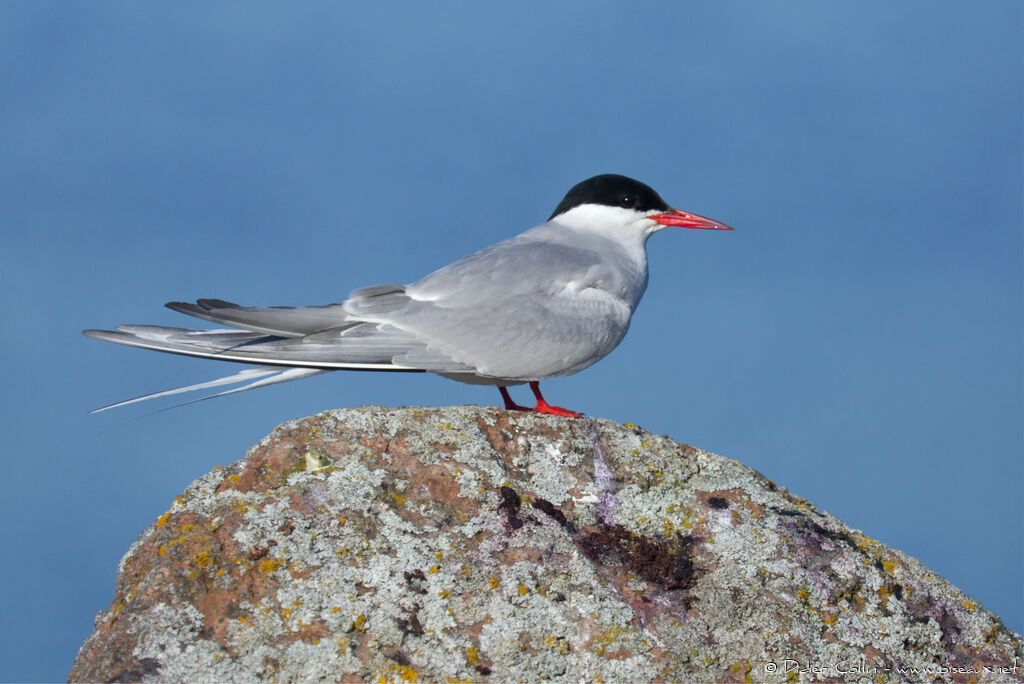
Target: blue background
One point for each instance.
(858, 339)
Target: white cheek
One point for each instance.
(612, 222)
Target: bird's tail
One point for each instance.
(336, 349)
(288, 343)
(260, 376)
(279, 359)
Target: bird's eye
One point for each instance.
(627, 201)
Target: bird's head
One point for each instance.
(613, 200)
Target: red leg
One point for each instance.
(545, 407)
(509, 404)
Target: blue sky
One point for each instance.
(858, 339)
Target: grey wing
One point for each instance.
(325, 337)
(529, 337)
(519, 266)
(290, 321)
(287, 321)
(520, 310)
(353, 346)
(360, 346)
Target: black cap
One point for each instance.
(611, 190)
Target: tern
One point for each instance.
(546, 303)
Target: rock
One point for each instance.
(464, 543)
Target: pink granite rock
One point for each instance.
(465, 544)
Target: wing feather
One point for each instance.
(368, 346)
(286, 321)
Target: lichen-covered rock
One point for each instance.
(463, 543)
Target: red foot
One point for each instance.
(541, 407)
(545, 407)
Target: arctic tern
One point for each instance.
(543, 304)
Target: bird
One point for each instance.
(546, 303)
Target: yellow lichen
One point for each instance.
(522, 590)
(745, 668)
(434, 570)
(399, 673)
(360, 623)
(270, 565)
(493, 582)
(557, 644)
(162, 520)
(472, 655)
(612, 635)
